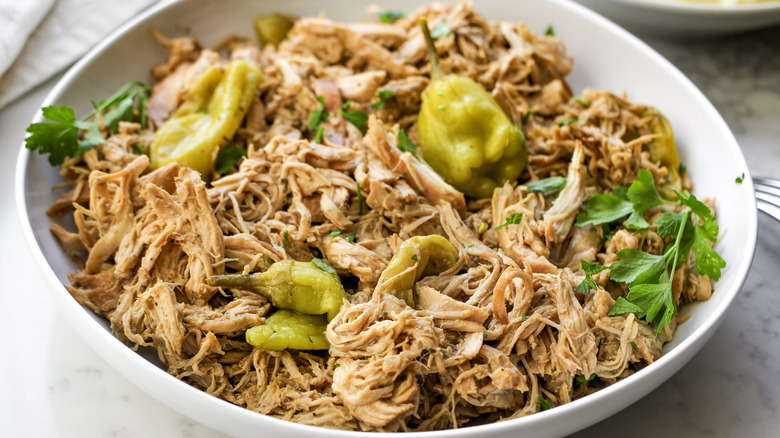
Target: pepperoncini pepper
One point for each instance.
(664, 150)
(209, 116)
(428, 255)
(273, 28)
(292, 285)
(464, 134)
(288, 329)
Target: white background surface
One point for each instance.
(53, 385)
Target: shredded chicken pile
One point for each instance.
(487, 337)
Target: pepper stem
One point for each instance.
(436, 70)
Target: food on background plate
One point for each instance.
(271, 222)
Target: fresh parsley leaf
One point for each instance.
(649, 275)
(318, 135)
(383, 96)
(527, 115)
(512, 219)
(319, 115)
(414, 257)
(634, 201)
(699, 208)
(360, 200)
(633, 264)
(350, 237)
(138, 149)
(520, 135)
(634, 346)
(582, 379)
(122, 112)
(549, 31)
(589, 282)
(440, 29)
(404, 144)
(547, 186)
(358, 118)
(228, 156)
(266, 261)
(623, 306)
(682, 168)
(669, 224)
(655, 299)
(543, 404)
(335, 233)
(708, 262)
(604, 208)
(740, 178)
(523, 317)
(322, 265)
(286, 236)
(581, 101)
(390, 17)
(642, 192)
(567, 122)
(59, 137)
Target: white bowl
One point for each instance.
(605, 57)
(681, 18)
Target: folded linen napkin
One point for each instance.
(33, 50)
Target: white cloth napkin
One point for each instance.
(34, 45)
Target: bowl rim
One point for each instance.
(112, 349)
(695, 8)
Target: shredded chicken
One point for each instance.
(485, 339)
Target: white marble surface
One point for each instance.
(53, 385)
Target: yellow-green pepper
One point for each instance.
(272, 28)
(292, 285)
(464, 134)
(430, 254)
(209, 116)
(288, 329)
(663, 149)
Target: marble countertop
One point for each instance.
(53, 385)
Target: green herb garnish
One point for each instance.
(318, 116)
(318, 134)
(322, 265)
(512, 219)
(543, 404)
(228, 156)
(286, 236)
(440, 29)
(383, 96)
(740, 178)
(406, 145)
(582, 379)
(547, 186)
(632, 202)
(567, 122)
(582, 101)
(59, 137)
(588, 282)
(390, 17)
(358, 118)
(520, 135)
(648, 275)
(360, 200)
(549, 31)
